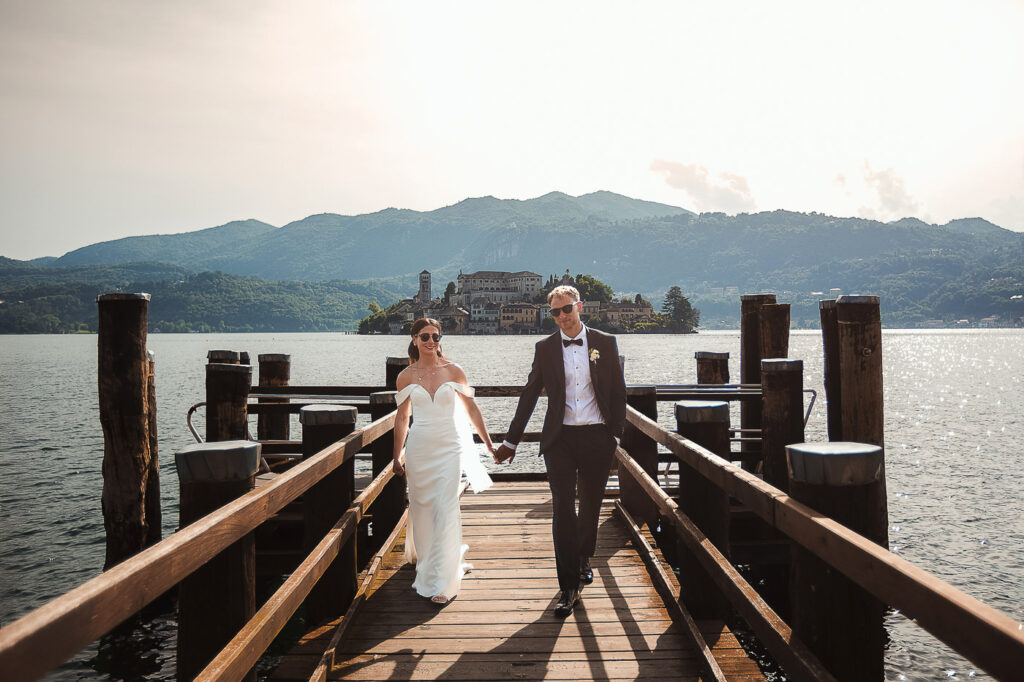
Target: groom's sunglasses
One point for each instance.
(567, 308)
(428, 337)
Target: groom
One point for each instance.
(579, 369)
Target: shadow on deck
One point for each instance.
(501, 625)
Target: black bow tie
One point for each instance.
(571, 342)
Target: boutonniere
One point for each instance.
(594, 355)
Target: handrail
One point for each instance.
(245, 648)
(327, 657)
(46, 637)
(771, 630)
(989, 638)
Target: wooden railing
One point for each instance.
(990, 639)
(47, 637)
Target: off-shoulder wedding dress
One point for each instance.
(439, 449)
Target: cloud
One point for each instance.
(893, 198)
(724, 192)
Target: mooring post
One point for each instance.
(751, 354)
(830, 344)
(123, 374)
(219, 598)
(223, 357)
(643, 449)
(388, 506)
(324, 504)
(275, 371)
(854, 392)
(837, 619)
(775, 330)
(782, 420)
(154, 516)
(712, 368)
(706, 423)
(227, 393)
(243, 357)
(392, 369)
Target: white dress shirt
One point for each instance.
(580, 401)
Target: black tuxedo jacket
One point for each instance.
(548, 373)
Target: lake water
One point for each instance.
(953, 434)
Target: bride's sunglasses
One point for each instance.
(567, 308)
(430, 337)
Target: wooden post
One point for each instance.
(387, 508)
(223, 357)
(644, 450)
(775, 330)
(275, 370)
(707, 424)
(782, 421)
(830, 343)
(154, 516)
(227, 390)
(123, 373)
(751, 354)
(858, 413)
(324, 504)
(712, 368)
(220, 597)
(392, 369)
(838, 620)
(243, 357)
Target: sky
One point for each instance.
(122, 118)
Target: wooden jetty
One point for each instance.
(671, 567)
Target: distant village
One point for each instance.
(493, 302)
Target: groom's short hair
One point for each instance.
(564, 290)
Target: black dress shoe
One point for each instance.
(566, 602)
(586, 572)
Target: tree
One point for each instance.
(593, 289)
(449, 291)
(374, 307)
(682, 316)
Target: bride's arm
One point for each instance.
(401, 428)
(473, 410)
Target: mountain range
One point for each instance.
(968, 267)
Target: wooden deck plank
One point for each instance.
(501, 624)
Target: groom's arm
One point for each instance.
(527, 402)
(618, 393)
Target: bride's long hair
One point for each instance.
(414, 352)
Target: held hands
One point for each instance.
(504, 454)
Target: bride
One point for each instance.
(439, 449)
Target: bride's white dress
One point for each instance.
(438, 450)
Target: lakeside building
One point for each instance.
(496, 302)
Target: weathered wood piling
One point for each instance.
(227, 394)
(275, 371)
(839, 620)
(706, 423)
(751, 354)
(323, 506)
(124, 406)
(782, 416)
(851, 330)
(644, 399)
(154, 515)
(712, 368)
(219, 598)
(390, 502)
